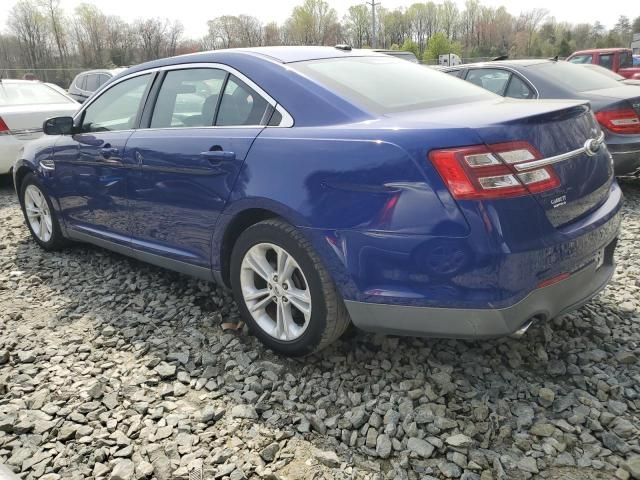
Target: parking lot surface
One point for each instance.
(110, 368)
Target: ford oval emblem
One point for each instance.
(592, 146)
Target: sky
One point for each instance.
(194, 13)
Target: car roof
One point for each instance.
(601, 50)
(282, 54)
(112, 71)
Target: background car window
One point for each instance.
(81, 82)
(117, 107)
(606, 61)
(518, 89)
(581, 59)
(241, 105)
(626, 60)
(453, 73)
(92, 83)
(102, 79)
(188, 98)
(491, 79)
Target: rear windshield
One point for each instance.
(604, 71)
(574, 77)
(27, 93)
(386, 84)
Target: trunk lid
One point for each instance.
(22, 118)
(553, 128)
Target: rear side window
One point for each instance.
(242, 106)
(606, 61)
(626, 60)
(387, 84)
(117, 107)
(518, 89)
(492, 79)
(188, 98)
(453, 73)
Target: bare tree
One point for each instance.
(529, 21)
(56, 23)
(272, 34)
(29, 26)
(357, 25)
(152, 33)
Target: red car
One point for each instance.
(620, 60)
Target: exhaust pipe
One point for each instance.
(523, 329)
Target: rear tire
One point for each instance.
(40, 215)
(284, 293)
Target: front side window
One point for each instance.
(606, 61)
(518, 89)
(492, 79)
(117, 107)
(188, 98)
(581, 59)
(241, 105)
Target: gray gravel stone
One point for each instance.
(420, 447)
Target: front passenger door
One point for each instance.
(92, 166)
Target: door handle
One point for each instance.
(108, 151)
(217, 156)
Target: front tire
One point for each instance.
(285, 294)
(40, 215)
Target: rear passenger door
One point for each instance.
(200, 124)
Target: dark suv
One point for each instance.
(88, 82)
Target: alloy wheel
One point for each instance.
(38, 213)
(275, 291)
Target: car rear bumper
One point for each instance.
(541, 304)
(10, 146)
(626, 156)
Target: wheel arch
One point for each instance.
(19, 173)
(233, 228)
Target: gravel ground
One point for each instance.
(110, 368)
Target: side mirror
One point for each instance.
(58, 126)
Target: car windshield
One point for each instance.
(575, 77)
(29, 93)
(386, 84)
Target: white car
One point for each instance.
(24, 106)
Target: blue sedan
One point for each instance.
(329, 186)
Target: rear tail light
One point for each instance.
(3, 127)
(485, 172)
(625, 121)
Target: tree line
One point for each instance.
(41, 36)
